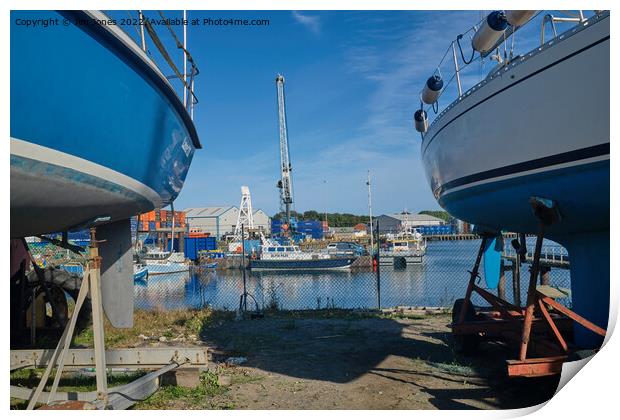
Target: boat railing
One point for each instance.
(455, 68)
(550, 254)
(145, 28)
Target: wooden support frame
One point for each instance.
(163, 359)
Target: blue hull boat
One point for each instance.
(97, 132)
(318, 264)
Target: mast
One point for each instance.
(372, 244)
(285, 183)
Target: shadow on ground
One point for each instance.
(400, 358)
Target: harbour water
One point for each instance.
(440, 280)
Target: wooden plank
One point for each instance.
(146, 358)
(551, 292)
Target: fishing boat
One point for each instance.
(538, 125)
(290, 257)
(345, 249)
(97, 132)
(163, 262)
(403, 250)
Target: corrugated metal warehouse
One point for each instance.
(220, 221)
(262, 221)
(391, 223)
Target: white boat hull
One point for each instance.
(539, 127)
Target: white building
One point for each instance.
(391, 223)
(262, 221)
(220, 221)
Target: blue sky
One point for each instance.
(352, 85)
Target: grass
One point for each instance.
(187, 325)
(178, 325)
(81, 383)
(172, 396)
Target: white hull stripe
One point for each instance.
(525, 173)
(44, 154)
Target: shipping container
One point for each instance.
(194, 245)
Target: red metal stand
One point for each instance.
(540, 328)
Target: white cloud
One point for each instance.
(313, 23)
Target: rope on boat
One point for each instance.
(458, 42)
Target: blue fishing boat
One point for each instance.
(537, 126)
(98, 133)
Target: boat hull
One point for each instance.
(408, 259)
(318, 264)
(538, 128)
(169, 268)
(96, 130)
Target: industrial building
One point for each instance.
(262, 221)
(391, 223)
(220, 221)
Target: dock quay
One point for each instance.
(551, 257)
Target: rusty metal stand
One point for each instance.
(542, 315)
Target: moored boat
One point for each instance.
(403, 249)
(290, 257)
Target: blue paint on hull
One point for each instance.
(75, 91)
(582, 193)
(319, 264)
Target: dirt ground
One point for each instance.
(361, 363)
(323, 360)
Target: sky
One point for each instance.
(352, 85)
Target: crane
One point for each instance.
(285, 184)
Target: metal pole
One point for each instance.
(472, 280)
(245, 294)
(141, 18)
(372, 242)
(325, 200)
(378, 272)
(172, 229)
(456, 70)
(33, 315)
(184, 60)
(531, 295)
(191, 100)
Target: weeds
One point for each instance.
(173, 396)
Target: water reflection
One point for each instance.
(438, 282)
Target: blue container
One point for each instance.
(194, 245)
